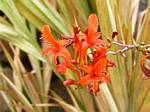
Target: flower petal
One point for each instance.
(100, 65)
(47, 52)
(70, 82)
(61, 68)
(92, 24)
(93, 35)
(95, 86)
(85, 80)
(46, 34)
(100, 53)
(63, 42)
(63, 52)
(86, 68)
(54, 60)
(83, 52)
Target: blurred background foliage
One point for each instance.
(26, 83)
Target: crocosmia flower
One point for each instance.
(56, 48)
(87, 39)
(89, 59)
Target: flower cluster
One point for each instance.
(89, 60)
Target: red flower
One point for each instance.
(88, 39)
(94, 80)
(93, 77)
(96, 73)
(57, 48)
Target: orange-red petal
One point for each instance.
(61, 68)
(70, 82)
(46, 34)
(85, 80)
(47, 52)
(95, 86)
(63, 42)
(92, 24)
(100, 65)
(63, 52)
(86, 68)
(54, 60)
